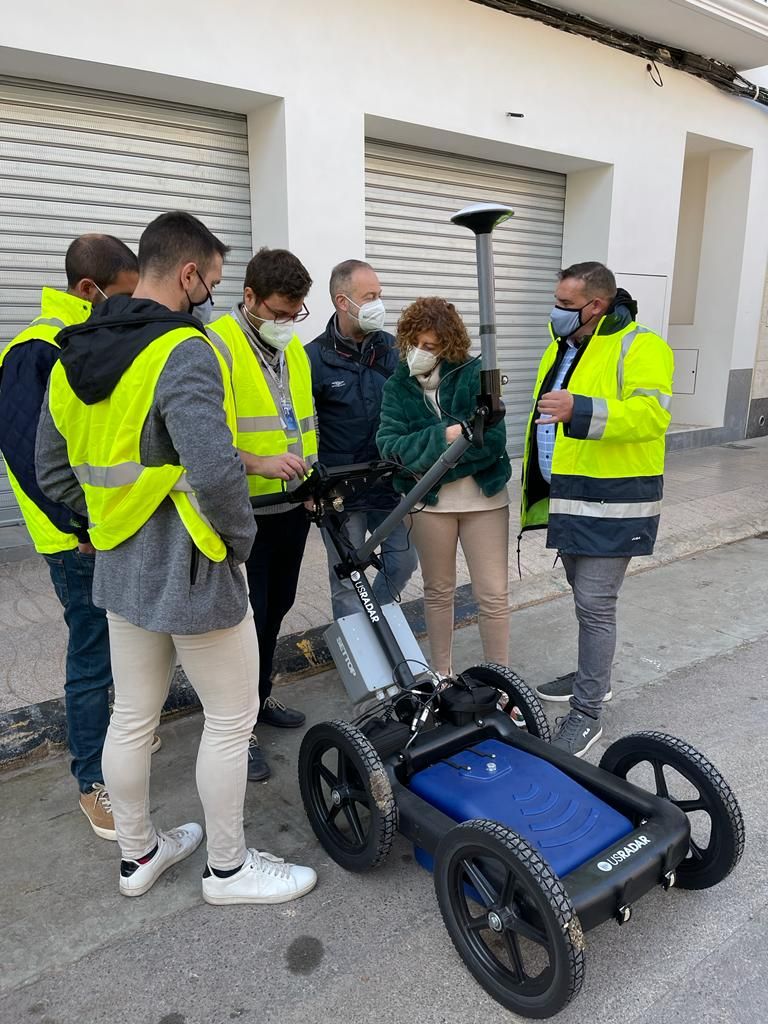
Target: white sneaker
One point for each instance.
(263, 878)
(172, 846)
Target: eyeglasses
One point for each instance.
(283, 318)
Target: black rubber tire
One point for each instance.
(518, 883)
(361, 782)
(705, 867)
(519, 693)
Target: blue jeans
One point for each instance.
(397, 553)
(89, 673)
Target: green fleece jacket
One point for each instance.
(412, 431)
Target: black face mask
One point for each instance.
(205, 306)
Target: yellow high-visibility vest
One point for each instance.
(57, 310)
(103, 444)
(260, 427)
(608, 462)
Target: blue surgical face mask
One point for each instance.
(566, 322)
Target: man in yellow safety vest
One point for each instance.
(593, 471)
(97, 267)
(139, 431)
(277, 440)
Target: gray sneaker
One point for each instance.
(561, 689)
(577, 733)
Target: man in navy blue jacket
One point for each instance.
(97, 267)
(351, 362)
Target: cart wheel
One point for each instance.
(509, 917)
(347, 795)
(520, 696)
(684, 776)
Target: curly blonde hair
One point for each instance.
(438, 315)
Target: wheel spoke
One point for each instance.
(691, 805)
(695, 851)
(327, 775)
(513, 948)
(508, 890)
(530, 932)
(478, 924)
(350, 813)
(661, 782)
(479, 883)
(341, 769)
(330, 815)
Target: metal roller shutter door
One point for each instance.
(410, 196)
(74, 160)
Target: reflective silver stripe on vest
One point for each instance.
(253, 424)
(48, 321)
(308, 423)
(626, 343)
(599, 420)
(121, 475)
(665, 401)
(604, 509)
(221, 346)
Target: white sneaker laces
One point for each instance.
(271, 702)
(269, 864)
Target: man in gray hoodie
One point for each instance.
(140, 404)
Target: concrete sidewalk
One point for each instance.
(712, 496)
(372, 948)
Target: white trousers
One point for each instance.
(223, 668)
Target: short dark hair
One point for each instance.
(98, 257)
(175, 238)
(597, 278)
(277, 272)
(341, 275)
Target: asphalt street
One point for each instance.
(372, 948)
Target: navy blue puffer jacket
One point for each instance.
(347, 394)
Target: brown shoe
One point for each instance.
(98, 810)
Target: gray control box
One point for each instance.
(362, 664)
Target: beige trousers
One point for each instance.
(484, 539)
(223, 668)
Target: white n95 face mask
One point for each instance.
(370, 316)
(276, 335)
(420, 361)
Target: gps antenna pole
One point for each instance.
(482, 218)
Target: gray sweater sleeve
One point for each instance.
(190, 398)
(54, 473)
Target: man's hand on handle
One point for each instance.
(274, 467)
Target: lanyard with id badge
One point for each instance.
(287, 414)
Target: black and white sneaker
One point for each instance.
(577, 732)
(561, 689)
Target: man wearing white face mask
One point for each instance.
(351, 362)
(277, 440)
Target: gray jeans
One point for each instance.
(595, 583)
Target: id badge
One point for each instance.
(288, 417)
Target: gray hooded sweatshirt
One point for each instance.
(158, 579)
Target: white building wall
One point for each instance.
(441, 74)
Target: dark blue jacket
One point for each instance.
(347, 394)
(23, 382)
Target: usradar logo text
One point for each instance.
(623, 854)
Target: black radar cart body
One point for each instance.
(530, 847)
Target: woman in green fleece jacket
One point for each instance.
(471, 505)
